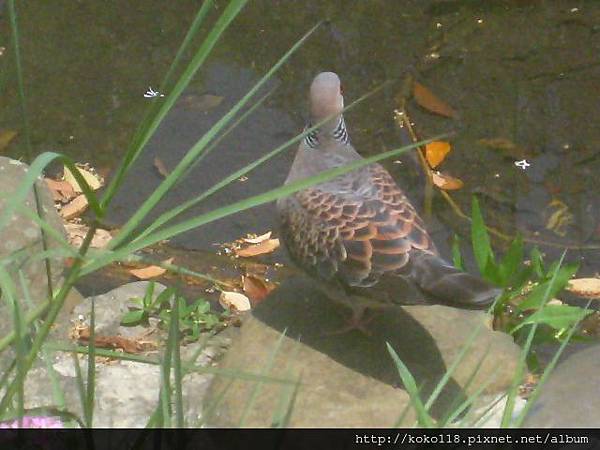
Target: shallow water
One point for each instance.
(527, 71)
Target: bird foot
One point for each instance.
(357, 321)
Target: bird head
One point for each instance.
(326, 99)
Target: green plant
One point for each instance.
(527, 286)
(194, 317)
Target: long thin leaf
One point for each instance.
(411, 387)
(239, 206)
(229, 13)
(189, 158)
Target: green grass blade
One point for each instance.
(177, 371)
(189, 158)
(257, 387)
(241, 205)
(171, 214)
(544, 378)
(480, 239)
(513, 391)
(411, 388)
(229, 13)
(9, 295)
(91, 370)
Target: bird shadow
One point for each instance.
(306, 314)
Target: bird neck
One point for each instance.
(333, 130)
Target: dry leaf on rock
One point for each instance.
(256, 288)
(74, 208)
(446, 182)
(76, 233)
(160, 167)
(151, 271)
(234, 301)
(435, 152)
(61, 190)
(426, 99)
(116, 342)
(257, 239)
(267, 246)
(585, 287)
(88, 176)
(5, 137)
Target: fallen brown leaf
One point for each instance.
(234, 301)
(426, 99)
(202, 102)
(508, 147)
(74, 208)
(257, 239)
(435, 152)
(256, 288)
(150, 271)
(61, 190)
(267, 246)
(446, 182)
(116, 342)
(88, 176)
(5, 137)
(160, 167)
(585, 287)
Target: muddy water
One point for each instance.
(525, 71)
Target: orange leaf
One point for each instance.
(446, 182)
(267, 246)
(151, 271)
(75, 207)
(436, 152)
(256, 288)
(426, 99)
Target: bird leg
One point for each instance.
(357, 304)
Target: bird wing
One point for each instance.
(356, 227)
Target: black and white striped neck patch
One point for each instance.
(339, 134)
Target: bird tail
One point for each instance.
(451, 286)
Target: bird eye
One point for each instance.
(341, 89)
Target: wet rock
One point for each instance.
(126, 392)
(21, 240)
(569, 397)
(349, 380)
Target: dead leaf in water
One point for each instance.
(88, 176)
(267, 246)
(257, 239)
(558, 217)
(256, 288)
(6, 136)
(428, 100)
(585, 287)
(435, 152)
(234, 301)
(446, 182)
(202, 102)
(161, 168)
(146, 273)
(61, 190)
(508, 147)
(74, 208)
